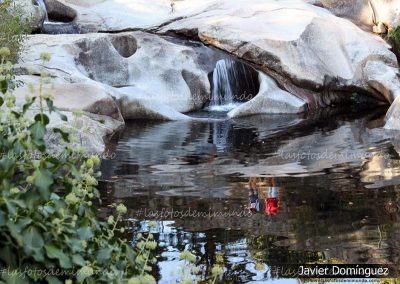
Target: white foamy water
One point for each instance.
(229, 77)
(42, 6)
(223, 75)
(224, 107)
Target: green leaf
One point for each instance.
(49, 209)
(78, 260)
(64, 135)
(16, 278)
(80, 277)
(32, 239)
(38, 130)
(15, 233)
(16, 114)
(53, 162)
(22, 223)
(85, 233)
(42, 118)
(4, 86)
(43, 180)
(62, 116)
(1, 101)
(26, 106)
(7, 164)
(104, 254)
(55, 253)
(53, 280)
(50, 105)
(2, 218)
(7, 256)
(20, 203)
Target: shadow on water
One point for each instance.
(324, 189)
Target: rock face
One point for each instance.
(318, 56)
(32, 11)
(307, 57)
(58, 11)
(393, 116)
(317, 52)
(138, 66)
(365, 12)
(270, 99)
(100, 114)
(109, 77)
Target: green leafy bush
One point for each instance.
(48, 222)
(13, 27)
(394, 37)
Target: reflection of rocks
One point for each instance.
(131, 68)
(349, 226)
(251, 146)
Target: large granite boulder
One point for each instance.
(34, 11)
(308, 50)
(365, 12)
(58, 11)
(393, 116)
(270, 99)
(312, 53)
(100, 116)
(131, 66)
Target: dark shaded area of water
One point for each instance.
(328, 191)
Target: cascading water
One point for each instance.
(43, 7)
(233, 82)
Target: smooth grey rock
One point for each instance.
(88, 130)
(393, 116)
(60, 12)
(32, 11)
(139, 70)
(100, 118)
(365, 12)
(270, 99)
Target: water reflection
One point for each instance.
(317, 190)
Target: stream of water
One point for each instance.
(232, 83)
(328, 190)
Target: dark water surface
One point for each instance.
(336, 181)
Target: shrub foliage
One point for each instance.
(13, 26)
(49, 226)
(394, 37)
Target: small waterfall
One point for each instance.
(222, 97)
(233, 82)
(43, 7)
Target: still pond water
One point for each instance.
(325, 188)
